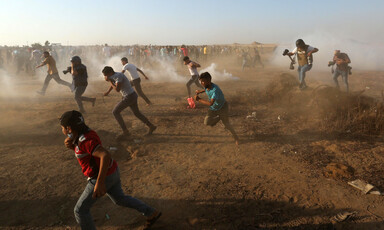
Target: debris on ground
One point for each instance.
(343, 216)
(365, 187)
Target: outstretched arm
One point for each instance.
(140, 71)
(108, 91)
(42, 64)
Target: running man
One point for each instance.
(218, 106)
(304, 58)
(120, 83)
(102, 172)
(192, 67)
(341, 60)
(135, 78)
(52, 73)
(79, 82)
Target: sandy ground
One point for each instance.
(194, 174)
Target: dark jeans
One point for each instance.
(139, 91)
(222, 114)
(79, 90)
(55, 77)
(129, 101)
(344, 75)
(194, 79)
(83, 206)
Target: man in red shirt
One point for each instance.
(102, 172)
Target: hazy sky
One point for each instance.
(85, 22)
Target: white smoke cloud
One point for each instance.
(217, 75)
(6, 83)
(166, 71)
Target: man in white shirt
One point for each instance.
(192, 67)
(304, 58)
(135, 78)
(107, 51)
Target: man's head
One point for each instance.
(300, 43)
(72, 122)
(205, 79)
(76, 60)
(337, 52)
(124, 60)
(46, 54)
(186, 60)
(107, 72)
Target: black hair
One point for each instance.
(124, 59)
(46, 52)
(107, 70)
(300, 43)
(205, 75)
(75, 120)
(186, 58)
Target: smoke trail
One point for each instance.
(217, 75)
(165, 72)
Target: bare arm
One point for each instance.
(140, 71)
(105, 161)
(313, 51)
(199, 91)
(73, 71)
(204, 102)
(42, 64)
(109, 90)
(197, 65)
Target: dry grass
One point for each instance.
(324, 108)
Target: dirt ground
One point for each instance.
(279, 177)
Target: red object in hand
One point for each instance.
(191, 103)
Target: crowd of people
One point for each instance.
(96, 162)
(24, 59)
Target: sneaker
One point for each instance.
(152, 219)
(40, 92)
(151, 129)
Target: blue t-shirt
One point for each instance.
(215, 93)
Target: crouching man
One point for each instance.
(218, 106)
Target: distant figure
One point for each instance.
(120, 83)
(304, 58)
(135, 78)
(52, 73)
(101, 170)
(218, 106)
(106, 51)
(192, 67)
(341, 60)
(256, 58)
(245, 60)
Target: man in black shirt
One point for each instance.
(79, 82)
